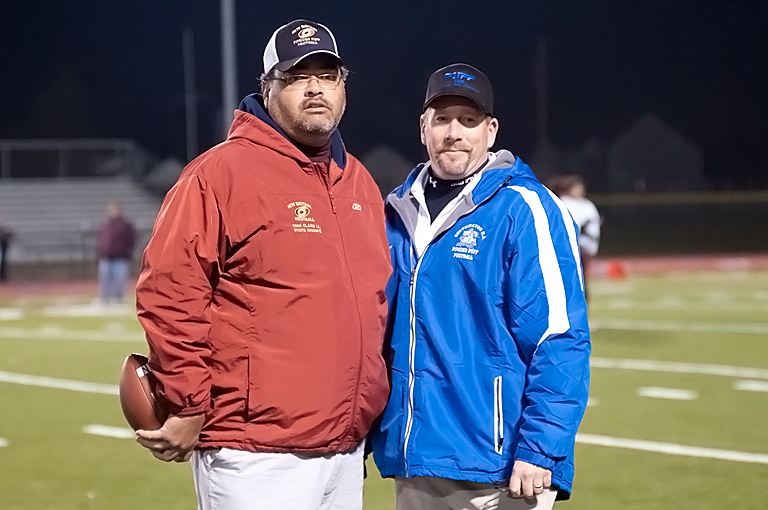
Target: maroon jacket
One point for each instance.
(116, 239)
(262, 296)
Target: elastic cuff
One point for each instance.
(189, 411)
(534, 458)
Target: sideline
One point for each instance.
(60, 384)
(595, 362)
(586, 439)
(70, 335)
(666, 393)
(672, 449)
(108, 431)
(757, 328)
(589, 439)
(678, 367)
(751, 386)
(11, 314)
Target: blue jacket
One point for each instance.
(487, 334)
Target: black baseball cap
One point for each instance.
(295, 41)
(461, 80)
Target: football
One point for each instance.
(142, 406)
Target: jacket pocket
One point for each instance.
(498, 416)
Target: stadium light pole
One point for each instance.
(228, 63)
(190, 92)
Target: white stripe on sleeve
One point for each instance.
(550, 269)
(569, 227)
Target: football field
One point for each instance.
(677, 419)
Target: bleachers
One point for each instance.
(56, 220)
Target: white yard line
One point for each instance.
(670, 302)
(588, 439)
(666, 393)
(672, 449)
(716, 276)
(664, 303)
(55, 333)
(89, 310)
(718, 297)
(757, 328)
(114, 327)
(10, 314)
(621, 304)
(679, 368)
(60, 384)
(751, 386)
(667, 448)
(611, 288)
(107, 431)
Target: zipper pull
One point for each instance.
(413, 275)
(333, 201)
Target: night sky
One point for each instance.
(115, 69)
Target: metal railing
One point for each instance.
(71, 158)
(33, 252)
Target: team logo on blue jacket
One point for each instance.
(468, 238)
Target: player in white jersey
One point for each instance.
(572, 191)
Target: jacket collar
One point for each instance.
(253, 104)
(501, 168)
(503, 165)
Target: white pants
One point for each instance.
(431, 493)
(227, 479)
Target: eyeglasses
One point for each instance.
(325, 80)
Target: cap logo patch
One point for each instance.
(305, 35)
(459, 79)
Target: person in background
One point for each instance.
(262, 294)
(487, 339)
(572, 191)
(5, 242)
(114, 246)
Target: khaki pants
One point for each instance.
(430, 493)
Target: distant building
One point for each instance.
(588, 161)
(651, 156)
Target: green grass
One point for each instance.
(50, 463)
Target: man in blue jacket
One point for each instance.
(487, 338)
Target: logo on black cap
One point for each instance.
(461, 80)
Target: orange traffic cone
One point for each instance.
(616, 270)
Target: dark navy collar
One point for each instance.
(254, 104)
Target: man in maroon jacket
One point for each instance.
(262, 296)
(114, 247)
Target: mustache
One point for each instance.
(306, 102)
(461, 148)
